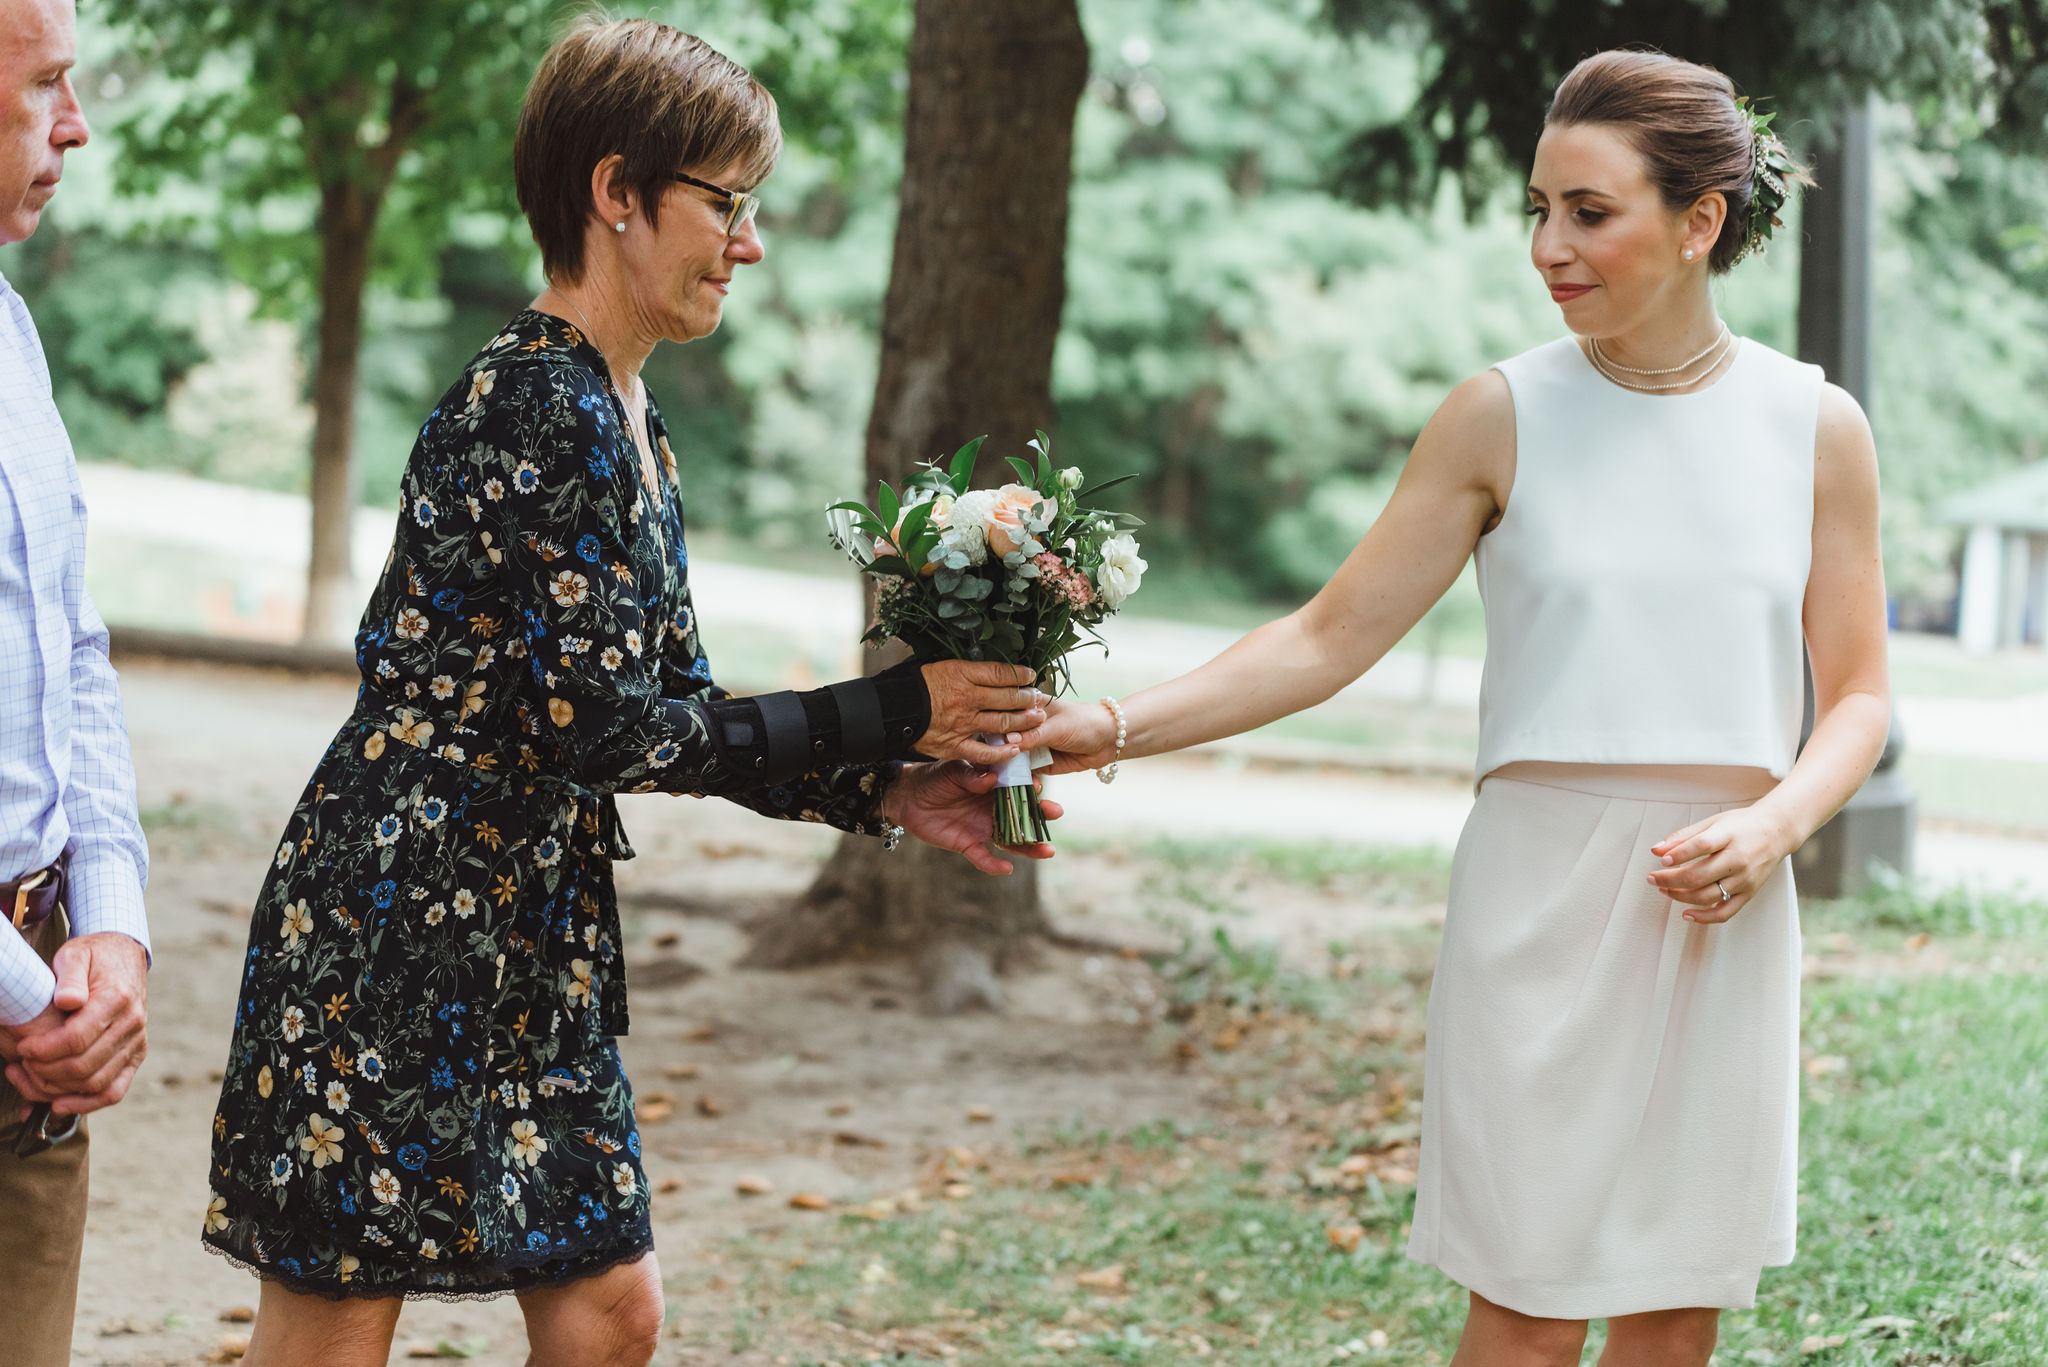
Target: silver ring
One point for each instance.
(1724, 891)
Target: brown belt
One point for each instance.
(30, 900)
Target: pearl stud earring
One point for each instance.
(1688, 250)
(621, 227)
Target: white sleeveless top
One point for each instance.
(1643, 589)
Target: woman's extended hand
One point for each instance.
(1735, 851)
(948, 806)
(972, 698)
(1080, 736)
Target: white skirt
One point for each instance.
(1610, 1119)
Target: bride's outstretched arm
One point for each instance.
(1453, 489)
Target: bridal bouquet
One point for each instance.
(1022, 574)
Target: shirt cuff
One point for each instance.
(26, 982)
(105, 895)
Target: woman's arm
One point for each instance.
(1452, 490)
(1845, 640)
(558, 514)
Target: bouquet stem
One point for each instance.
(1019, 818)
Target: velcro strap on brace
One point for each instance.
(862, 739)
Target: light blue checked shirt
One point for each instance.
(67, 785)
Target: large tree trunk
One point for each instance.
(348, 218)
(968, 328)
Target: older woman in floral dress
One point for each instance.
(423, 1094)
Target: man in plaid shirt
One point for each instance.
(74, 945)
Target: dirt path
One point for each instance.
(823, 1081)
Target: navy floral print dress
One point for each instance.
(423, 1094)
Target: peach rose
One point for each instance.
(1006, 531)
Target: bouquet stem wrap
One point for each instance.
(1019, 818)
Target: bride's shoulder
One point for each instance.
(1484, 402)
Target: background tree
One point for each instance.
(968, 327)
(1491, 66)
(340, 142)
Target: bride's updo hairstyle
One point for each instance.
(1683, 119)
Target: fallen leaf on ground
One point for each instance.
(669, 1184)
(1345, 1238)
(839, 1108)
(1358, 1164)
(232, 1347)
(810, 1200)
(652, 1111)
(1825, 1064)
(710, 1106)
(980, 1115)
(956, 1191)
(238, 1314)
(667, 939)
(753, 1186)
(1109, 1278)
(701, 1034)
(1393, 1173)
(681, 1072)
(854, 1139)
(1072, 1179)
(1228, 1038)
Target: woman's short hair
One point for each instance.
(1682, 118)
(664, 101)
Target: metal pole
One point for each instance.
(1837, 216)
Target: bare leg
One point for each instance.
(609, 1320)
(1662, 1338)
(1496, 1336)
(293, 1328)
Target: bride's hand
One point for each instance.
(1080, 735)
(1714, 867)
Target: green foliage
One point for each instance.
(1239, 330)
(1951, 912)
(1490, 67)
(283, 109)
(99, 311)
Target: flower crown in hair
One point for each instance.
(1771, 181)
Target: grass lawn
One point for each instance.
(1271, 1230)
(2000, 791)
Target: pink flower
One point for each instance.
(1063, 581)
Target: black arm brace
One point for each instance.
(780, 736)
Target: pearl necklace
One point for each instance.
(1618, 373)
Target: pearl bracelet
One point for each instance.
(1107, 773)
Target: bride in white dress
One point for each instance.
(1665, 516)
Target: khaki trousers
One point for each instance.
(42, 1224)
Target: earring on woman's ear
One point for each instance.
(621, 227)
(1688, 250)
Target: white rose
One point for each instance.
(1122, 570)
(1072, 478)
(967, 526)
